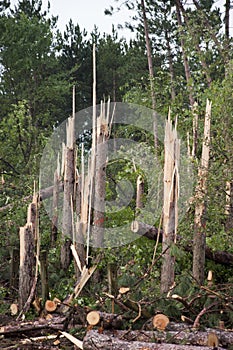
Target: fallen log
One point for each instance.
(151, 233)
(105, 320)
(186, 336)
(105, 341)
(36, 327)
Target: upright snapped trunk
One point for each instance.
(100, 181)
(170, 205)
(199, 237)
(69, 178)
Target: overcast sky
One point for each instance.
(88, 13)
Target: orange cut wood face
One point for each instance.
(160, 321)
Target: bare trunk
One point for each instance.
(170, 206)
(69, 179)
(27, 264)
(99, 193)
(199, 239)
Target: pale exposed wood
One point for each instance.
(93, 318)
(139, 193)
(37, 304)
(50, 305)
(14, 309)
(102, 134)
(212, 340)
(105, 320)
(170, 204)
(69, 181)
(74, 340)
(124, 290)
(142, 229)
(160, 321)
(199, 240)
(86, 274)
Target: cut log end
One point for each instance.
(212, 340)
(160, 322)
(50, 306)
(14, 309)
(93, 318)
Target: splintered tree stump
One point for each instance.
(105, 320)
(106, 340)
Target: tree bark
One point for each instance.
(14, 268)
(54, 229)
(67, 216)
(106, 341)
(44, 275)
(199, 238)
(100, 182)
(27, 264)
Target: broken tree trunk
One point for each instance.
(170, 204)
(107, 340)
(69, 178)
(102, 134)
(142, 229)
(140, 193)
(27, 263)
(199, 239)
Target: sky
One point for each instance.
(88, 13)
